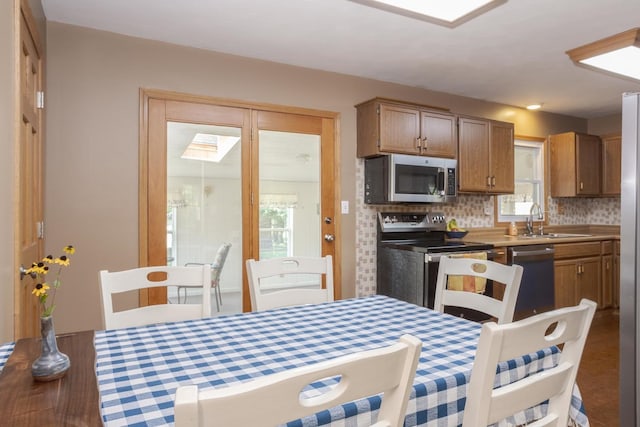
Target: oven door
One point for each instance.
(432, 262)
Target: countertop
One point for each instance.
(499, 238)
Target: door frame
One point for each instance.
(150, 247)
(29, 172)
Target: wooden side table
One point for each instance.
(72, 400)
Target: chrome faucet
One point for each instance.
(535, 208)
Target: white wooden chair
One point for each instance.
(276, 399)
(486, 405)
(263, 269)
(216, 271)
(509, 275)
(139, 278)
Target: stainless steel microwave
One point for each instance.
(401, 178)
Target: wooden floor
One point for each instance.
(598, 374)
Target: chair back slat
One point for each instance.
(258, 271)
(498, 343)
(276, 399)
(509, 275)
(112, 283)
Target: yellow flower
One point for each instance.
(40, 289)
(46, 292)
(38, 268)
(63, 260)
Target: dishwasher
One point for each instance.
(536, 293)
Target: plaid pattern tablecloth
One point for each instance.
(139, 369)
(5, 352)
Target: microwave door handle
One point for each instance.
(441, 187)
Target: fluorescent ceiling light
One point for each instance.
(534, 106)
(450, 13)
(209, 148)
(619, 54)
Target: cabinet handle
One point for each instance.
(493, 181)
(488, 181)
(581, 185)
(418, 145)
(424, 142)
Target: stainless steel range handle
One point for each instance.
(435, 257)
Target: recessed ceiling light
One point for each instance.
(534, 106)
(450, 13)
(618, 54)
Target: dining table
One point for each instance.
(137, 370)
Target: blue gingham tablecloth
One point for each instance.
(5, 352)
(139, 369)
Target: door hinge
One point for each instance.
(40, 229)
(40, 99)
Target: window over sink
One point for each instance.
(529, 167)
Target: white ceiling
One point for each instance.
(514, 54)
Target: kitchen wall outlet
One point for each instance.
(345, 206)
(560, 207)
(488, 210)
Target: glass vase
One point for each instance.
(52, 364)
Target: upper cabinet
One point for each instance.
(575, 164)
(611, 164)
(485, 156)
(386, 126)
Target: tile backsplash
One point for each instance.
(471, 211)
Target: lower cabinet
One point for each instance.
(576, 279)
(608, 271)
(578, 273)
(616, 274)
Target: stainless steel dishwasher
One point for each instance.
(536, 293)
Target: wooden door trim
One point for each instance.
(25, 307)
(328, 125)
(226, 102)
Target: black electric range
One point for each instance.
(409, 246)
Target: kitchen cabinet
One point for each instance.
(386, 126)
(485, 156)
(616, 274)
(575, 164)
(578, 273)
(607, 274)
(611, 164)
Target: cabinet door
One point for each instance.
(611, 165)
(589, 280)
(501, 152)
(399, 129)
(473, 155)
(565, 282)
(439, 136)
(616, 274)
(607, 281)
(588, 164)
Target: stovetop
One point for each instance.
(420, 232)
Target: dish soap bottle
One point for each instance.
(513, 229)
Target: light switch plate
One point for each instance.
(345, 206)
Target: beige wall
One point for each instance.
(7, 133)
(92, 157)
(606, 125)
